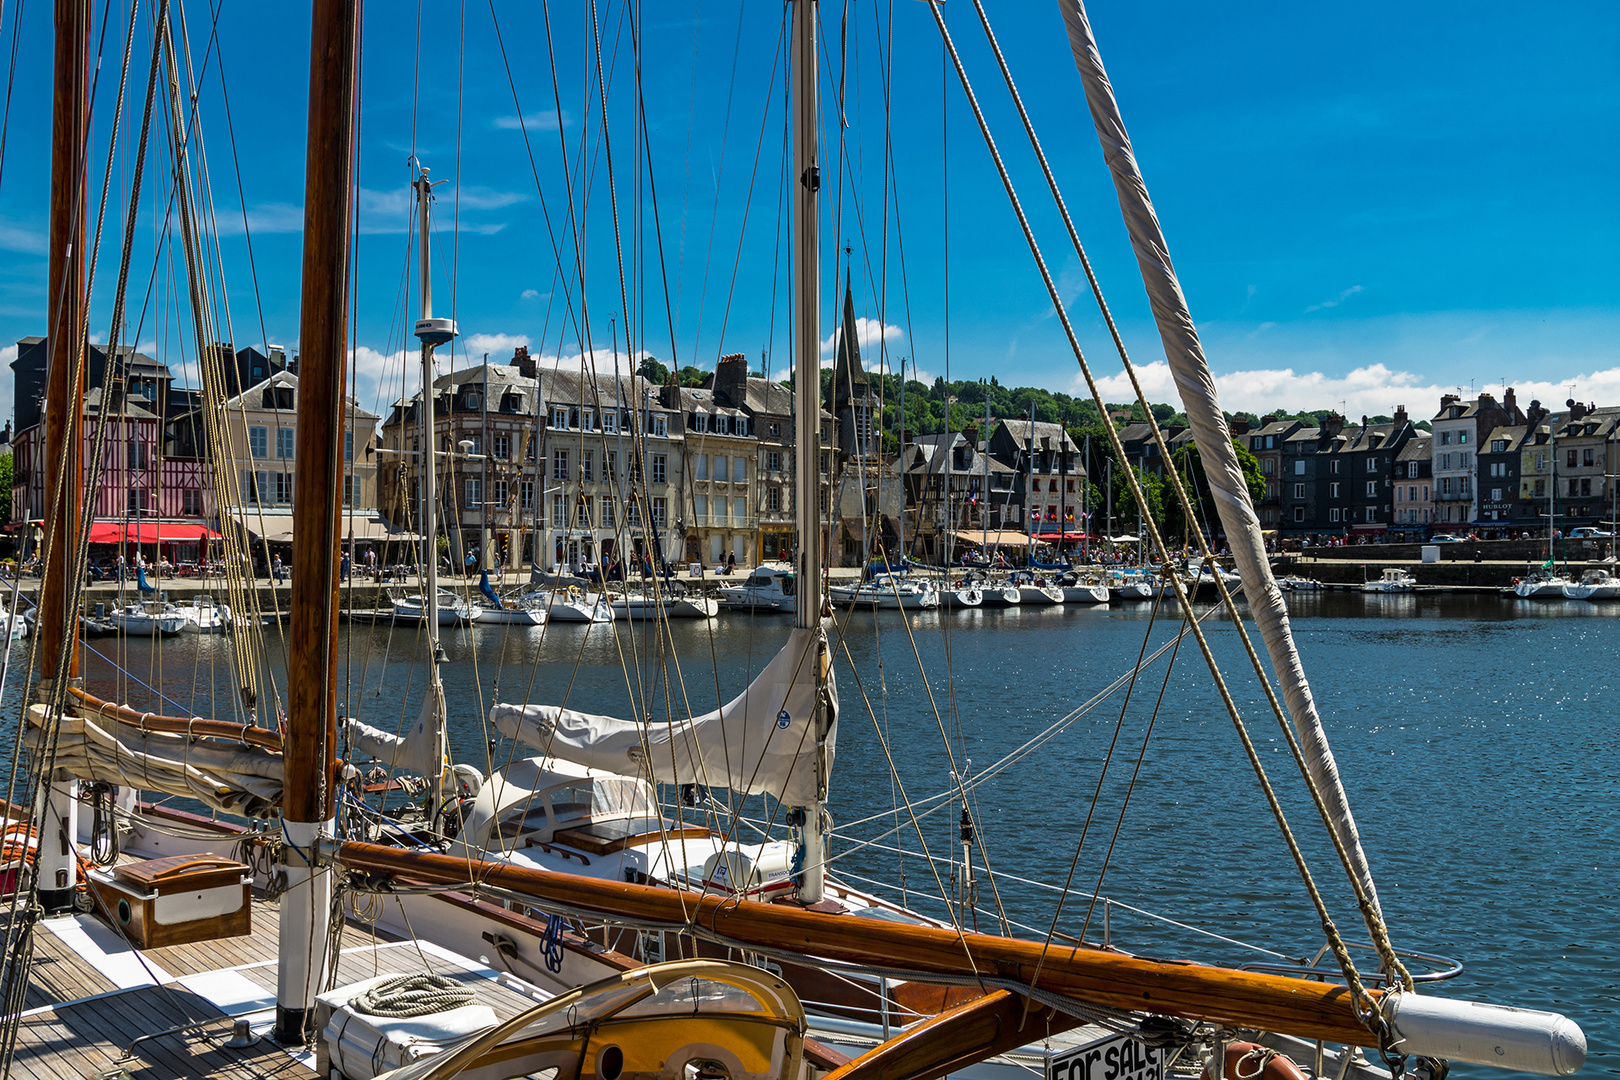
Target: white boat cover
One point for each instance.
(1196, 385)
(420, 750)
(233, 778)
(762, 742)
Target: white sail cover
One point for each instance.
(762, 742)
(420, 750)
(231, 777)
(1185, 354)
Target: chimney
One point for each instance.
(1535, 416)
(970, 432)
(1363, 421)
(1448, 399)
(1239, 425)
(1510, 404)
(1332, 426)
(669, 395)
(731, 380)
(1400, 418)
(1267, 421)
(1576, 409)
(524, 362)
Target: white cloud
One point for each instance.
(539, 120)
(483, 198)
(22, 240)
(1343, 296)
(868, 334)
(530, 294)
(499, 346)
(1366, 391)
(1370, 365)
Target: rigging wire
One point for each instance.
(1340, 953)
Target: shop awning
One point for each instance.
(1003, 537)
(1374, 528)
(364, 526)
(372, 527)
(150, 532)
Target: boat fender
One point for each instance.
(1251, 1061)
(1528, 1040)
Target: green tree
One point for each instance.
(653, 371)
(1189, 464)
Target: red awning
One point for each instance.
(150, 532)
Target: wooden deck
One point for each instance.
(91, 996)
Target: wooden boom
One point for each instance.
(1306, 1009)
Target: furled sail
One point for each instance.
(233, 778)
(420, 750)
(1196, 385)
(762, 742)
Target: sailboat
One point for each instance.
(998, 994)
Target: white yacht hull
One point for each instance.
(1086, 594)
(1040, 594)
(586, 609)
(1002, 596)
(678, 607)
(884, 599)
(1541, 590)
(512, 616)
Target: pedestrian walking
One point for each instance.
(275, 568)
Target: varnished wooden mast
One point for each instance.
(311, 743)
(62, 447)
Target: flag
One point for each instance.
(1548, 565)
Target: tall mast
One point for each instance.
(807, 406)
(432, 332)
(64, 409)
(307, 818)
(1029, 491)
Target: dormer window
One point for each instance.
(559, 418)
(473, 399)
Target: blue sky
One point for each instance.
(1368, 205)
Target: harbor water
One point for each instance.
(1475, 735)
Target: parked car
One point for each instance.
(1589, 532)
(1446, 538)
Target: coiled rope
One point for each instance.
(412, 995)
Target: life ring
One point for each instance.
(1515, 581)
(1251, 1061)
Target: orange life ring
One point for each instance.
(1515, 581)
(1251, 1061)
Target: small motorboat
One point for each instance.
(767, 588)
(1394, 580)
(206, 615)
(149, 618)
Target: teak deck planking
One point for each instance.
(62, 1034)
